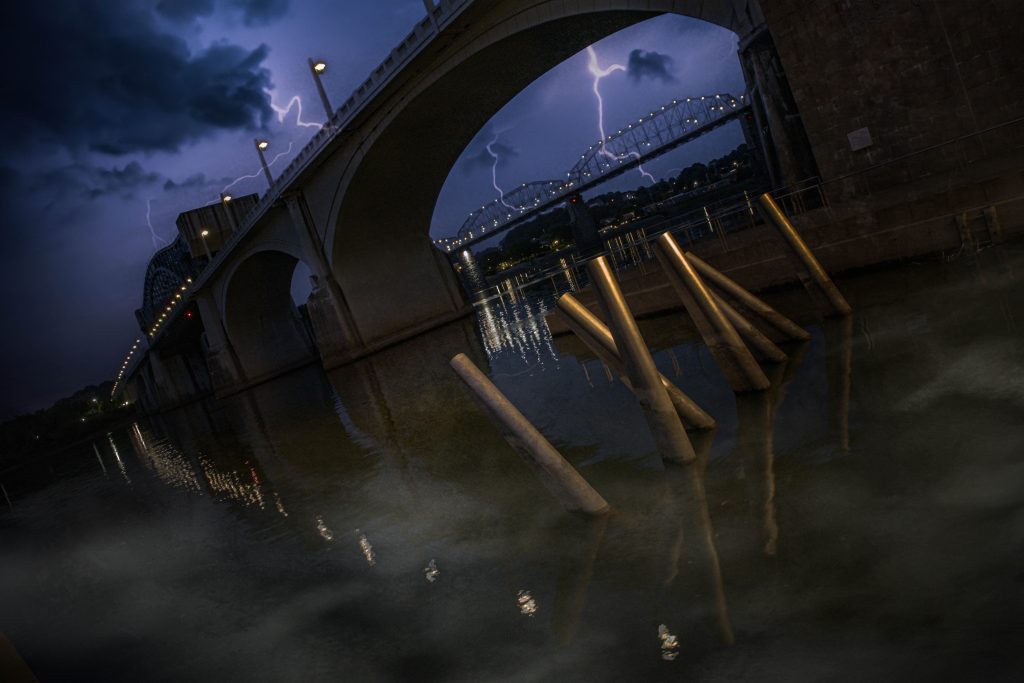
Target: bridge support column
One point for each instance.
(169, 388)
(337, 337)
(221, 359)
(786, 149)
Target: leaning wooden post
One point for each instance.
(762, 347)
(740, 368)
(554, 471)
(598, 338)
(774, 216)
(665, 425)
(783, 326)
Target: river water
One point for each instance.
(864, 520)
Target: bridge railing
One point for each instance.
(714, 220)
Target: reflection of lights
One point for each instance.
(431, 571)
(669, 643)
(527, 605)
(364, 545)
(326, 533)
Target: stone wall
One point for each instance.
(915, 74)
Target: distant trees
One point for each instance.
(551, 231)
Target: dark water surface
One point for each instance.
(863, 521)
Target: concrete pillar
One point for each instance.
(787, 149)
(221, 358)
(337, 336)
(166, 387)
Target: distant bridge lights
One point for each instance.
(317, 67)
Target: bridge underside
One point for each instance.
(263, 325)
(393, 277)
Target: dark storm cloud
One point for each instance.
(653, 65)
(102, 76)
(258, 12)
(194, 180)
(123, 181)
(184, 10)
(81, 180)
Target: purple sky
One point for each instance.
(154, 103)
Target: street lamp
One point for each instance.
(317, 67)
(260, 146)
(206, 247)
(225, 200)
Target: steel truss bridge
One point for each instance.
(664, 129)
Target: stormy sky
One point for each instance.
(120, 115)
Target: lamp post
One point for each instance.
(260, 146)
(317, 67)
(225, 200)
(206, 247)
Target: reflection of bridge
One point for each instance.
(664, 129)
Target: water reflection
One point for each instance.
(774, 546)
(518, 325)
(527, 605)
(669, 643)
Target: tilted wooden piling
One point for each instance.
(813, 270)
(783, 326)
(554, 471)
(598, 338)
(734, 358)
(662, 419)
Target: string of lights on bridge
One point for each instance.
(124, 366)
(597, 160)
(173, 302)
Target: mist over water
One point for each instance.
(863, 520)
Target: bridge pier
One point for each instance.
(336, 335)
(221, 358)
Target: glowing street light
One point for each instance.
(260, 146)
(317, 67)
(225, 200)
(206, 247)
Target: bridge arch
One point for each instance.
(262, 321)
(383, 201)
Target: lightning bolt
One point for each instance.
(494, 172)
(598, 73)
(149, 222)
(259, 171)
(296, 102)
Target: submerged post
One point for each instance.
(554, 471)
(665, 425)
(774, 215)
(782, 325)
(763, 347)
(597, 337)
(740, 368)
